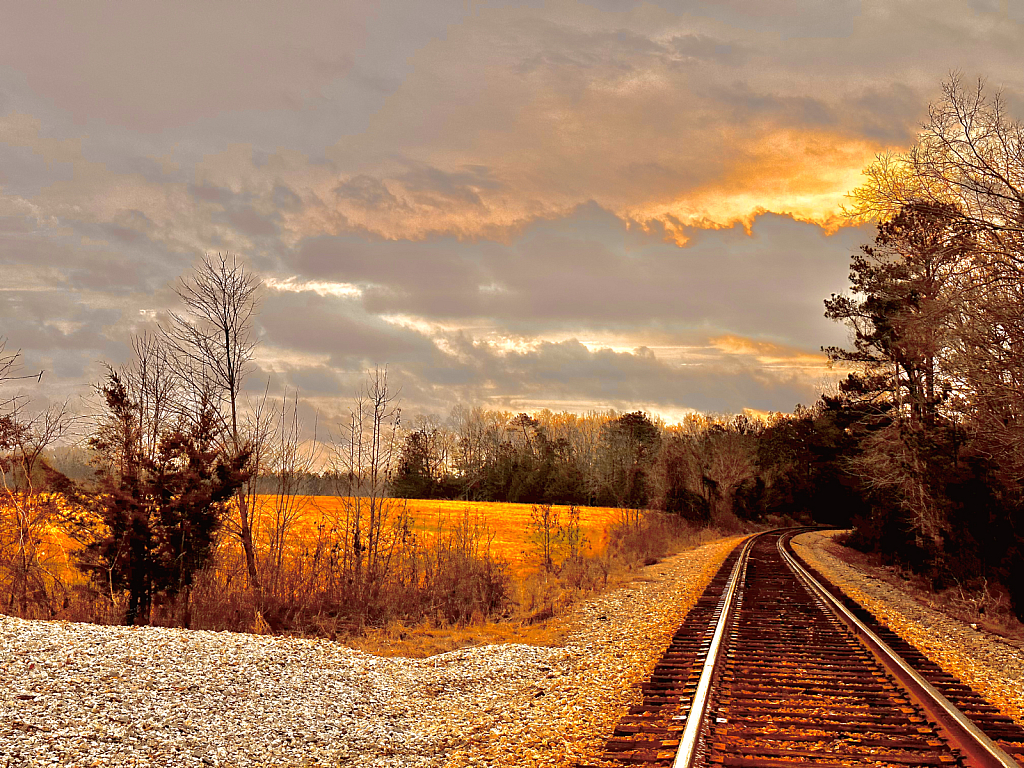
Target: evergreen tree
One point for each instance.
(629, 446)
(900, 309)
(159, 515)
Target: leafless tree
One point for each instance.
(969, 155)
(7, 367)
(151, 376)
(891, 463)
(968, 165)
(291, 459)
(9, 371)
(582, 433)
(214, 343)
(480, 434)
(441, 446)
(544, 528)
(26, 509)
(364, 456)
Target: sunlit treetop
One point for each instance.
(969, 156)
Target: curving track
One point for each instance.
(771, 670)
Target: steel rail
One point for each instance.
(965, 734)
(698, 706)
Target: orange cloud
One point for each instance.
(802, 173)
(769, 354)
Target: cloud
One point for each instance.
(591, 270)
(337, 332)
(596, 202)
(695, 116)
(569, 373)
(584, 307)
(177, 63)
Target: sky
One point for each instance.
(519, 205)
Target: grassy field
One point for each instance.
(507, 525)
(456, 579)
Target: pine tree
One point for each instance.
(159, 515)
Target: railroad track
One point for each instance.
(775, 668)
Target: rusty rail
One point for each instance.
(771, 670)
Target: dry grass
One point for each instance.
(508, 525)
(425, 640)
(598, 548)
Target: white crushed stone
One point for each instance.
(991, 667)
(87, 695)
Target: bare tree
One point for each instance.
(967, 166)
(892, 463)
(291, 460)
(583, 436)
(365, 455)
(152, 378)
(969, 156)
(214, 343)
(9, 365)
(26, 510)
(8, 362)
(477, 433)
(545, 530)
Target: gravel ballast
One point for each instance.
(991, 667)
(87, 695)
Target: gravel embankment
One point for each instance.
(991, 667)
(86, 695)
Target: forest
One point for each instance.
(919, 448)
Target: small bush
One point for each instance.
(641, 537)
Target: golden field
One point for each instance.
(507, 525)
